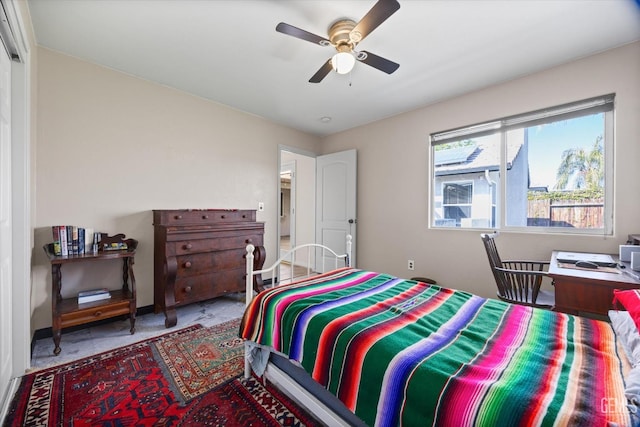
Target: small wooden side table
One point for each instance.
(67, 312)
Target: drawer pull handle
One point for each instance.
(205, 216)
(248, 241)
(187, 289)
(187, 264)
(223, 216)
(97, 314)
(244, 216)
(178, 216)
(188, 246)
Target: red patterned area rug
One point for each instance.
(190, 377)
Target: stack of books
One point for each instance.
(93, 295)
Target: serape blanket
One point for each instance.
(401, 352)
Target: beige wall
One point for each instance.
(32, 64)
(112, 147)
(393, 177)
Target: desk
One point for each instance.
(586, 291)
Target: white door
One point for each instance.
(336, 203)
(5, 222)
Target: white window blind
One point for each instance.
(547, 115)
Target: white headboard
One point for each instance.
(290, 256)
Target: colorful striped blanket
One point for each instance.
(401, 352)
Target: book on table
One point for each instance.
(93, 295)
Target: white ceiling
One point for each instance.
(229, 51)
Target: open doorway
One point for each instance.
(297, 207)
(287, 206)
(319, 205)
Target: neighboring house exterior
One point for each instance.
(467, 179)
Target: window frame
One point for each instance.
(601, 104)
(459, 182)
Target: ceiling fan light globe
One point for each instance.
(343, 62)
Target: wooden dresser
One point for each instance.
(199, 255)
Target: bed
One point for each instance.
(403, 352)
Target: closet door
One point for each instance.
(5, 222)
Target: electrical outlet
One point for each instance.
(260, 206)
(411, 264)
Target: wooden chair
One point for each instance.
(518, 281)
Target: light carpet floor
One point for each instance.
(97, 339)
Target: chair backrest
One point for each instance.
(518, 281)
(495, 261)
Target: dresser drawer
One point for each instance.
(238, 241)
(191, 265)
(203, 216)
(206, 286)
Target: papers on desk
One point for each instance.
(573, 266)
(628, 271)
(603, 260)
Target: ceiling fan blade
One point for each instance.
(301, 34)
(378, 62)
(379, 13)
(321, 73)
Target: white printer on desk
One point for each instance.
(630, 256)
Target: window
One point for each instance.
(548, 170)
(456, 201)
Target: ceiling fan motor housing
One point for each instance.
(341, 36)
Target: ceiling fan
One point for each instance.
(344, 36)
